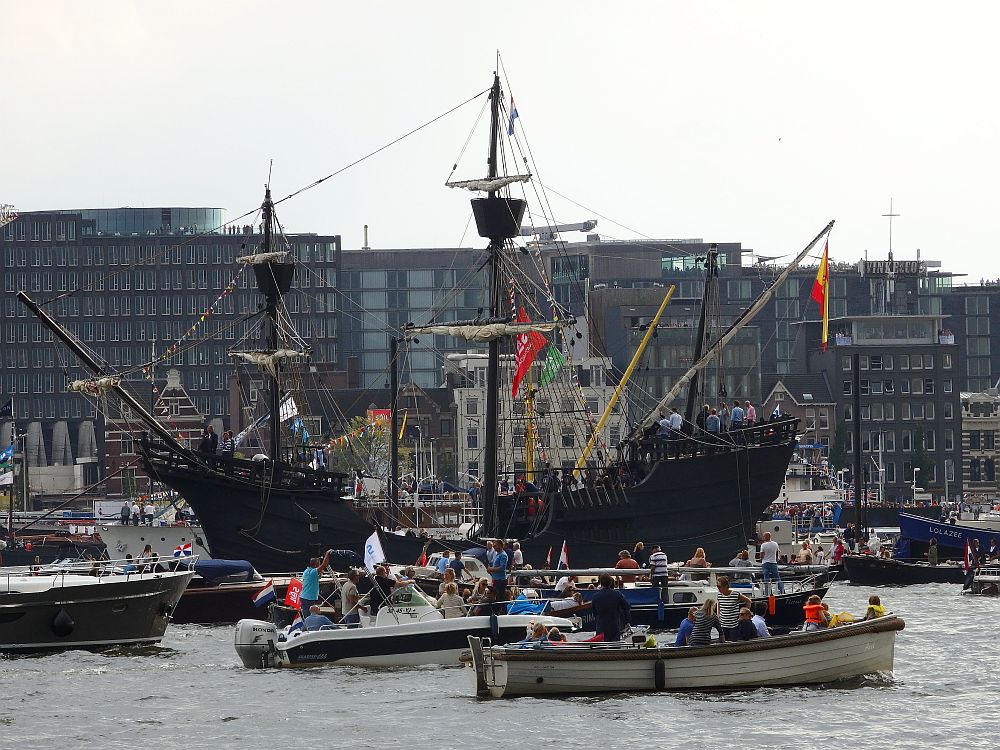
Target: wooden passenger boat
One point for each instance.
(800, 658)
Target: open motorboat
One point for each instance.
(87, 605)
(870, 570)
(408, 631)
(800, 658)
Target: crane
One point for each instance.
(550, 233)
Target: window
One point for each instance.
(975, 473)
(863, 362)
(472, 438)
(845, 363)
(472, 407)
(890, 472)
(930, 440)
(864, 386)
(988, 440)
(946, 385)
(989, 470)
(889, 441)
(875, 362)
(887, 386)
(904, 385)
(890, 411)
(848, 414)
(824, 419)
(876, 412)
(949, 440)
(946, 361)
(866, 412)
(905, 411)
(976, 305)
(929, 410)
(904, 361)
(568, 437)
(876, 387)
(811, 418)
(445, 427)
(918, 387)
(974, 440)
(917, 409)
(928, 361)
(887, 361)
(848, 388)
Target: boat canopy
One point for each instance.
(233, 571)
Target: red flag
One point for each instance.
(968, 563)
(821, 291)
(292, 595)
(528, 346)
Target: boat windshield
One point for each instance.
(410, 596)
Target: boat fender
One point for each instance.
(62, 624)
(494, 626)
(659, 674)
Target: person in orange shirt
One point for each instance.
(626, 562)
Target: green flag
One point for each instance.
(554, 360)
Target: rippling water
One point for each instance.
(191, 693)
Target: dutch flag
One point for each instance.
(265, 595)
(296, 623)
(183, 550)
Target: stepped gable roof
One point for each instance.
(803, 389)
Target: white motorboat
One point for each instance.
(408, 631)
(800, 658)
(986, 581)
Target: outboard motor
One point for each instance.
(256, 643)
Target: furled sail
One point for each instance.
(268, 360)
(489, 185)
(263, 258)
(485, 332)
(95, 386)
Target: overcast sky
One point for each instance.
(748, 122)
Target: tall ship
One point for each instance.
(278, 508)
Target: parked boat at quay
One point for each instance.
(871, 570)
(801, 658)
(88, 606)
(407, 631)
(950, 536)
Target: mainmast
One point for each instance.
(498, 219)
(274, 278)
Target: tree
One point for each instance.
(368, 451)
(838, 451)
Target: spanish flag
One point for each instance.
(821, 291)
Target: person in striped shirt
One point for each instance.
(705, 620)
(658, 567)
(729, 608)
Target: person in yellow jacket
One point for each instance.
(875, 608)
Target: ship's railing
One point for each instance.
(12, 579)
(264, 472)
(653, 449)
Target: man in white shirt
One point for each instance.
(658, 567)
(518, 556)
(759, 608)
(566, 585)
(149, 510)
(769, 563)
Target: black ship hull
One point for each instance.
(112, 611)
(692, 495)
(869, 570)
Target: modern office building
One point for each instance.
(129, 283)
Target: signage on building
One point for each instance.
(895, 267)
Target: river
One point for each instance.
(190, 692)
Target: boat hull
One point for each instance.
(869, 570)
(796, 659)
(409, 644)
(950, 537)
(111, 611)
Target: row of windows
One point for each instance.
(916, 386)
(880, 362)
(380, 280)
(125, 255)
(982, 470)
(982, 440)
(40, 231)
(909, 410)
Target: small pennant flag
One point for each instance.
(265, 595)
(293, 593)
(554, 360)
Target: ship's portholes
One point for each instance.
(539, 680)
